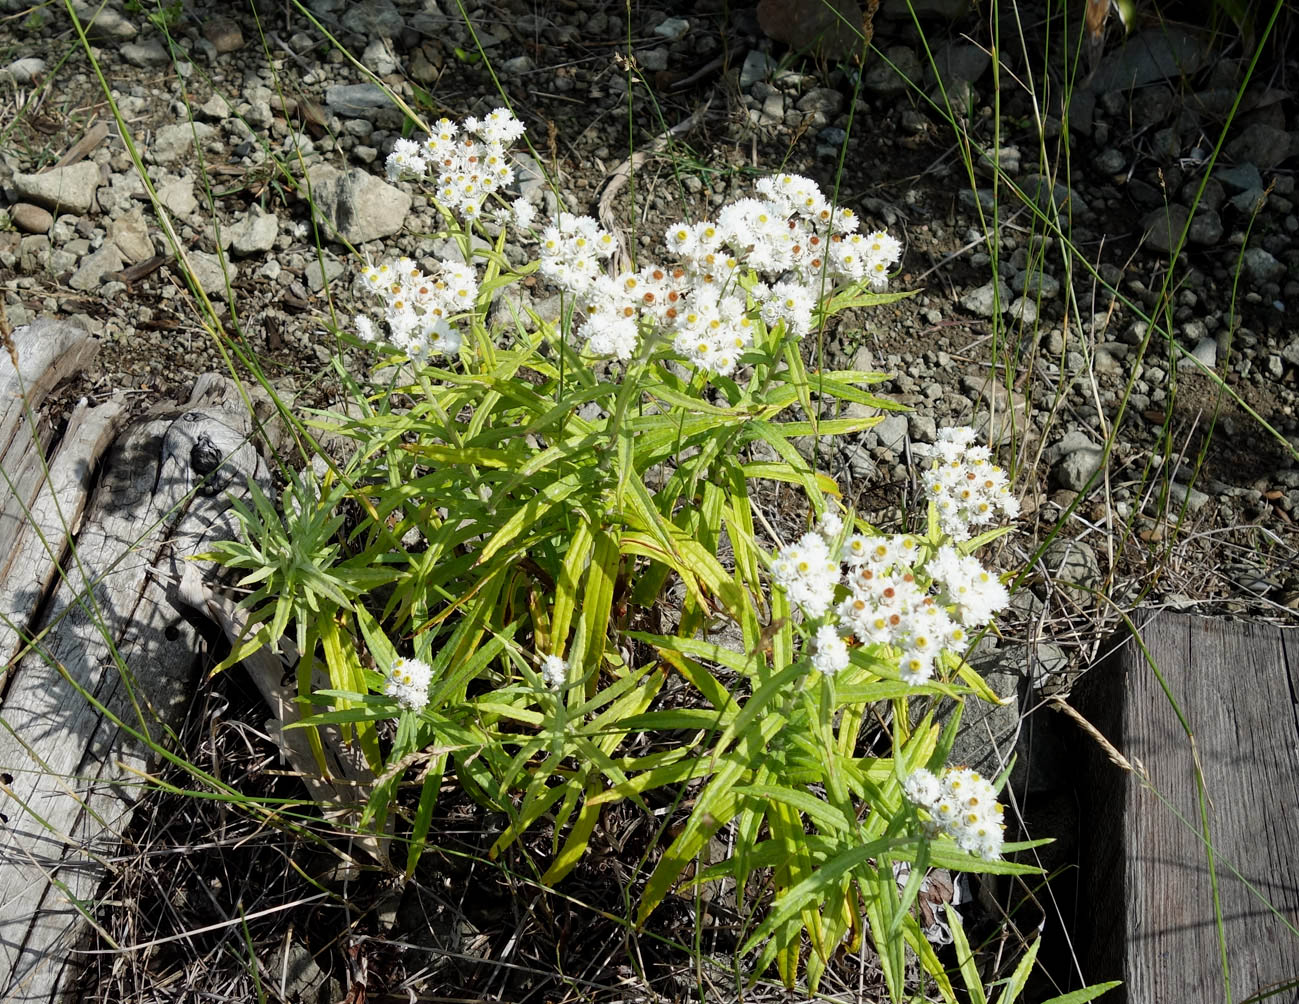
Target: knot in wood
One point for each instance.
(205, 460)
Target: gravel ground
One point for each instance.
(1195, 507)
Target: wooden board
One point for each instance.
(1148, 898)
(110, 645)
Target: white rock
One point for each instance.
(177, 196)
(254, 234)
(25, 71)
(673, 28)
(131, 235)
(208, 272)
(357, 205)
(91, 271)
(145, 54)
(62, 190)
(173, 141)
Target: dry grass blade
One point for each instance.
(344, 791)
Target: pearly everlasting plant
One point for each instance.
(961, 805)
(912, 597)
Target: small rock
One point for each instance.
(1164, 227)
(372, 18)
(1242, 177)
(26, 70)
(62, 190)
(178, 196)
(173, 141)
(1007, 159)
(1261, 265)
(94, 266)
(1191, 497)
(825, 100)
(1260, 144)
(320, 272)
(1075, 469)
(895, 73)
(131, 235)
(987, 299)
(145, 54)
(103, 24)
(891, 432)
(757, 66)
(216, 108)
(224, 34)
(1040, 189)
(355, 100)
(1024, 310)
(957, 61)
(209, 274)
(1110, 161)
(379, 58)
(655, 60)
(1106, 363)
(357, 205)
(1205, 353)
(254, 234)
(1072, 562)
(673, 28)
(922, 428)
(31, 219)
(1035, 284)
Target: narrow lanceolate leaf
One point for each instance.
(531, 513)
(1019, 978)
(570, 574)
(813, 888)
(965, 958)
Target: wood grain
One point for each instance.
(114, 649)
(1147, 872)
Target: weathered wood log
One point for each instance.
(1147, 879)
(110, 667)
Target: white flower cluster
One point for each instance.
(962, 805)
(408, 682)
(419, 309)
(554, 671)
(892, 591)
(964, 483)
(471, 160)
(792, 234)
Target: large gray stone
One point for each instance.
(1260, 144)
(254, 234)
(94, 266)
(145, 54)
(108, 25)
(131, 235)
(356, 100)
(990, 298)
(374, 18)
(173, 141)
(209, 274)
(355, 205)
(1076, 469)
(62, 190)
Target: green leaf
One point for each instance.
(1085, 994)
(965, 958)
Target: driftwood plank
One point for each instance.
(112, 645)
(38, 532)
(1146, 873)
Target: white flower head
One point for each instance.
(554, 671)
(831, 653)
(408, 681)
(524, 213)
